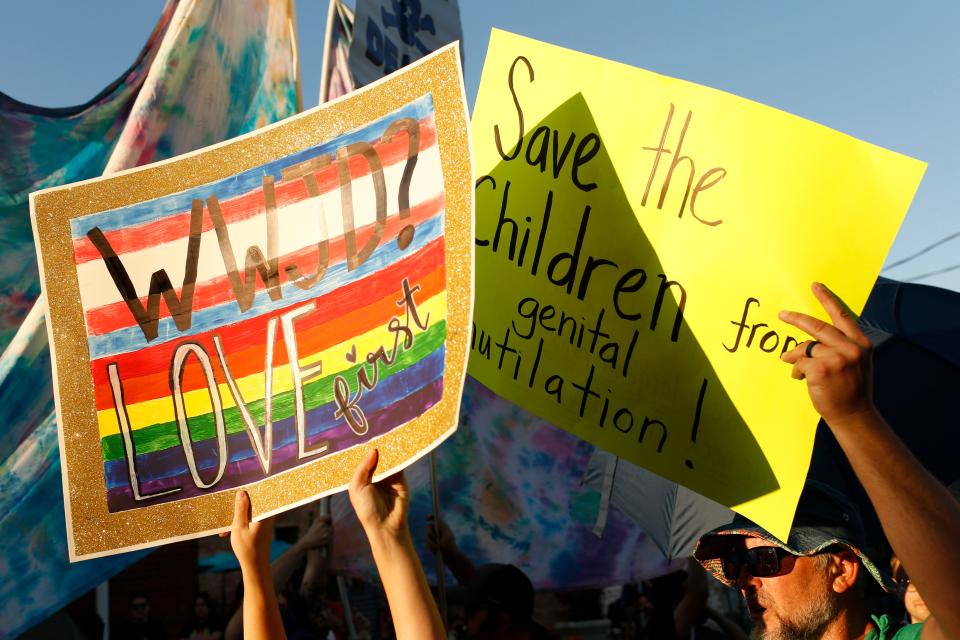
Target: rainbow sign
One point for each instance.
(260, 313)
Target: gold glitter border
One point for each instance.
(93, 530)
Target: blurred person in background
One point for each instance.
(205, 623)
(917, 610)
(138, 625)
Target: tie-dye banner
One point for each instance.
(42, 147)
(254, 312)
(37, 580)
(511, 489)
(335, 77)
(209, 71)
(228, 67)
(45, 147)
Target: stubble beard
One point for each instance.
(806, 623)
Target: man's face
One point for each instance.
(796, 603)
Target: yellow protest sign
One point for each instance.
(636, 236)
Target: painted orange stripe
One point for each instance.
(245, 351)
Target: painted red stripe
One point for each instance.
(110, 317)
(250, 332)
(247, 357)
(249, 204)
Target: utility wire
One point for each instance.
(932, 273)
(923, 251)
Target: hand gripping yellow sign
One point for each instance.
(636, 236)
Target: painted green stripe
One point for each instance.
(162, 436)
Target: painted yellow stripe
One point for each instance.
(197, 402)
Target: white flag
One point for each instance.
(336, 79)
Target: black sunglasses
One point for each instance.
(759, 562)
(902, 580)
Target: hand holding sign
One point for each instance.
(247, 315)
(380, 506)
(249, 540)
(838, 369)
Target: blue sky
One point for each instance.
(882, 71)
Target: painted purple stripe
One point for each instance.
(247, 471)
(170, 463)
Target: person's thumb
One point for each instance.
(364, 473)
(241, 510)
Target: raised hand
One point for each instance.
(381, 507)
(250, 540)
(920, 518)
(251, 544)
(382, 510)
(838, 365)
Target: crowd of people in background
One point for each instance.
(819, 583)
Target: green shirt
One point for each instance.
(882, 630)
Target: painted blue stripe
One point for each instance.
(131, 338)
(158, 208)
(171, 463)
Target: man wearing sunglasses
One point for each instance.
(811, 586)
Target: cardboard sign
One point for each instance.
(389, 34)
(261, 313)
(636, 237)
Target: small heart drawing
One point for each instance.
(352, 354)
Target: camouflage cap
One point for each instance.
(825, 518)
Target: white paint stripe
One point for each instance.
(298, 227)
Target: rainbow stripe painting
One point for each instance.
(260, 313)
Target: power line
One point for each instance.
(932, 273)
(923, 251)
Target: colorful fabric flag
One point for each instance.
(44, 147)
(335, 77)
(26, 389)
(41, 147)
(390, 34)
(228, 68)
